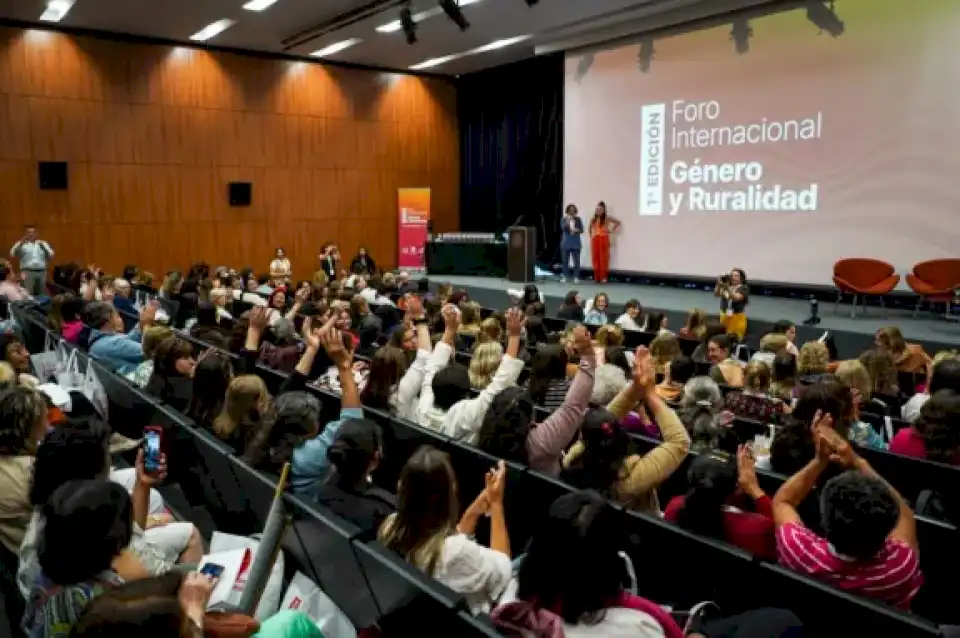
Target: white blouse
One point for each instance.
(479, 573)
(281, 266)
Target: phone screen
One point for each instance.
(212, 570)
(151, 453)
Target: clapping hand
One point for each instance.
(451, 317)
(259, 319)
(515, 321)
(581, 340)
(644, 372)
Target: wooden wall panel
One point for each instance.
(154, 134)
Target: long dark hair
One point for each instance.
(293, 418)
(939, 426)
(572, 566)
(712, 479)
(605, 446)
(358, 443)
(211, 377)
(386, 369)
(506, 424)
(549, 363)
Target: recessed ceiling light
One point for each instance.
(336, 47)
(499, 44)
(56, 10)
(492, 46)
(393, 27)
(213, 29)
(259, 5)
(426, 64)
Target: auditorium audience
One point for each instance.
(425, 531)
(725, 368)
(753, 401)
(771, 345)
(14, 352)
(675, 376)
(116, 351)
(609, 381)
(711, 330)
(946, 376)
(696, 325)
(813, 363)
(908, 357)
(548, 382)
(869, 544)
(64, 317)
(10, 287)
(701, 412)
(23, 423)
(788, 329)
(713, 506)
(783, 380)
(664, 349)
(470, 319)
(484, 364)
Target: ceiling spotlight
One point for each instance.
(645, 56)
(408, 25)
(452, 9)
(824, 15)
(740, 33)
(530, 3)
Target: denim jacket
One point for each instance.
(120, 353)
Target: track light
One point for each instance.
(740, 33)
(452, 9)
(645, 57)
(408, 25)
(824, 15)
(530, 3)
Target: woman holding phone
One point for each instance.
(601, 227)
(734, 296)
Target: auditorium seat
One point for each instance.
(934, 281)
(861, 276)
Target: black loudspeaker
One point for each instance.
(521, 253)
(53, 176)
(240, 193)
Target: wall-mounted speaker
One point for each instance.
(240, 193)
(53, 176)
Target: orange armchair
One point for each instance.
(934, 281)
(862, 277)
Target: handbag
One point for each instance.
(68, 374)
(94, 391)
(305, 596)
(45, 363)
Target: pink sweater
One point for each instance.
(546, 441)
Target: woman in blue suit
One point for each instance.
(572, 228)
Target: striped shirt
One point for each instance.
(892, 576)
(33, 255)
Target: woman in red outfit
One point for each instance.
(711, 507)
(601, 227)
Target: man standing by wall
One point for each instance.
(34, 255)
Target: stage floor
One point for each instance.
(853, 335)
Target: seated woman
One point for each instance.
(753, 401)
(172, 378)
(80, 451)
(725, 369)
(96, 515)
(508, 430)
(597, 314)
(714, 503)
(946, 376)
(484, 364)
(220, 297)
(783, 380)
(793, 444)
(604, 459)
(152, 338)
(855, 376)
(570, 309)
(771, 345)
(348, 491)
(632, 317)
(664, 349)
(65, 317)
(23, 423)
(908, 357)
(425, 531)
(695, 326)
(470, 319)
(935, 434)
(675, 377)
(548, 383)
(658, 323)
(571, 580)
(701, 412)
(606, 336)
(813, 363)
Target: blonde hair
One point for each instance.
(664, 348)
(470, 315)
(389, 280)
(484, 364)
(756, 376)
(854, 375)
(218, 293)
(490, 330)
(609, 336)
(946, 355)
(7, 373)
(696, 322)
(814, 358)
(152, 337)
(172, 282)
(892, 339)
(245, 394)
(773, 342)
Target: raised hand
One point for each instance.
(582, 341)
(496, 481)
(414, 307)
(515, 321)
(259, 319)
(149, 313)
(644, 372)
(332, 341)
(746, 472)
(451, 317)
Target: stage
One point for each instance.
(852, 335)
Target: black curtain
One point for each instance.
(511, 149)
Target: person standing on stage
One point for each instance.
(572, 228)
(734, 296)
(34, 255)
(601, 227)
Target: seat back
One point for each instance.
(221, 491)
(939, 273)
(861, 271)
(320, 544)
(257, 488)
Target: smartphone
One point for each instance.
(152, 435)
(213, 570)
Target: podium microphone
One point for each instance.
(813, 319)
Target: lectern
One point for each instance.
(521, 253)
